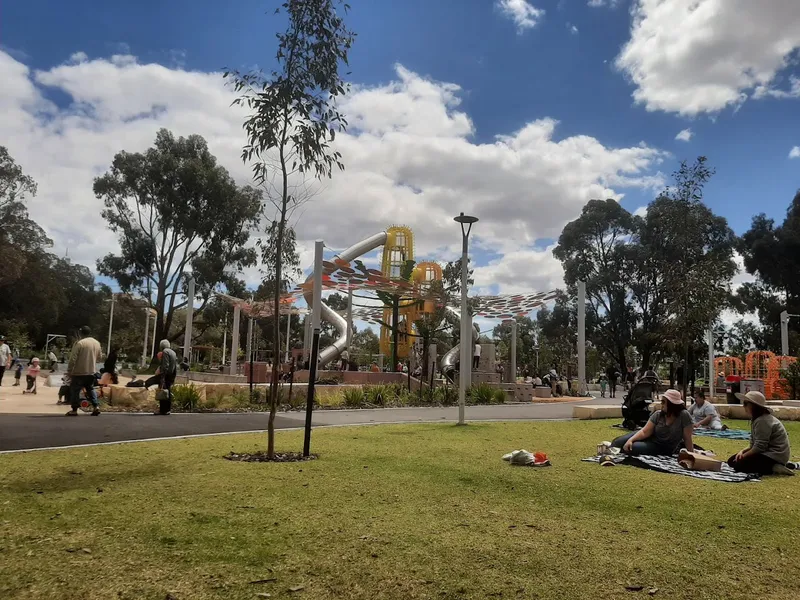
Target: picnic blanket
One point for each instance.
(669, 464)
(724, 434)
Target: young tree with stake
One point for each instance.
(294, 120)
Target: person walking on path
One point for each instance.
(168, 370)
(81, 369)
(53, 360)
(476, 357)
(31, 376)
(5, 357)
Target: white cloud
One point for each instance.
(521, 271)
(684, 135)
(572, 29)
(641, 211)
(522, 12)
(698, 56)
(409, 158)
(600, 3)
(794, 152)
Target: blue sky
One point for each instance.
(561, 64)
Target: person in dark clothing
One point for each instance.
(185, 364)
(167, 373)
(612, 374)
(769, 448)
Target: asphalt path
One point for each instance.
(27, 432)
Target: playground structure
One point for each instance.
(414, 290)
(399, 278)
(758, 365)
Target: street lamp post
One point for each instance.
(464, 353)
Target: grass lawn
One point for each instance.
(419, 511)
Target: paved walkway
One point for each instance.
(25, 431)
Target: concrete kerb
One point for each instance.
(331, 426)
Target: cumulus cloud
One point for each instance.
(794, 152)
(701, 56)
(409, 153)
(684, 135)
(522, 12)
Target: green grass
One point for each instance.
(422, 511)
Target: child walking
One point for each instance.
(603, 384)
(17, 374)
(31, 375)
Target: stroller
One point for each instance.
(636, 403)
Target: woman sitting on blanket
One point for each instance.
(666, 431)
(704, 414)
(769, 449)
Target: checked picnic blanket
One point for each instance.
(669, 464)
(726, 434)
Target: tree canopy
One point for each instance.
(175, 211)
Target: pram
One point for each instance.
(636, 403)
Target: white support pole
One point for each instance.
(465, 350)
(316, 311)
(785, 333)
(110, 325)
(235, 340)
(349, 318)
(224, 338)
(153, 342)
(249, 343)
(712, 376)
(187, 336)
(288, 334)
(512, 367)
(582, 389)
(146, 333)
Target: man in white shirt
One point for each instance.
(476, 357)
(5, 357)
(704, 414)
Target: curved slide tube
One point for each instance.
(449, 360)
(332, 352)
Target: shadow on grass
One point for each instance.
(67, 479)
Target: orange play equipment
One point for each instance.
(760, 364)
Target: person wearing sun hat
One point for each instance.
(769, 449)
(667, 430)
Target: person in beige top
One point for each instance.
(81, 369)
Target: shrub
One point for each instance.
(238, 398)
(354, 397)
(445, 395)
(185, 397)
(481, 393)
(499, 397)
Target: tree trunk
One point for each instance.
(276, 305)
